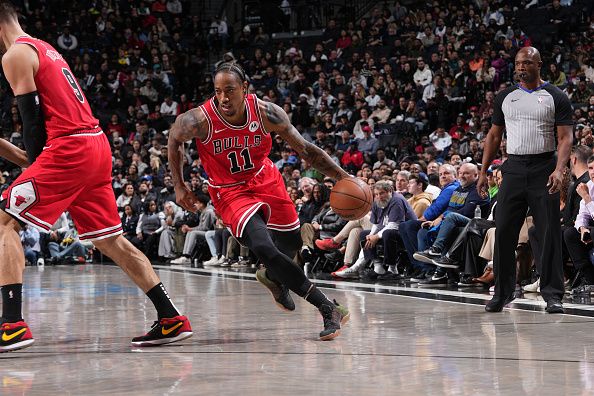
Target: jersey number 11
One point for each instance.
(247, 161)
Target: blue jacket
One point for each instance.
(441, 203)
(464, 201)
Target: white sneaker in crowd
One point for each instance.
(214, 260)
(348, 273)
(181, 260)
(533, 287)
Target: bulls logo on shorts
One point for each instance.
(22, 196)
(253, 126)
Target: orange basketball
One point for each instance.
(351, 198)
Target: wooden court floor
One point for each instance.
(83, 318)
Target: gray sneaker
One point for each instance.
(280, 292)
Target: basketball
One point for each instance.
(351, 198)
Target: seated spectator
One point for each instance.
(420, 200)
(352, 159)
(382, 112)
(173, 216)
(63, 242)
(325, 224)
(125, 198)
(129, 222)
(358, 128)
(389, 209)
(440, 139)
(169, 109)
(462, 207)
(150, 224)
(320, 195)
(217, 243)
(140, 200)
(380, 155)
(197, 234)
(409, 230)
(30, 241)
(578, 239)
(402, 183)
(368, 144)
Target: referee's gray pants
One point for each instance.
(524, 185)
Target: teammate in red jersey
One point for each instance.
(232, 132)
(72, 172)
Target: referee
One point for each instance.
(532, 177)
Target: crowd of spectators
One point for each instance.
(390, 97)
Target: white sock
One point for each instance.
(379, 269)
(392, 269)
(360, 261)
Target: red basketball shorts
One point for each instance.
(72, 173)
(264, 192)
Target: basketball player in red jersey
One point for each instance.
(72, 172)
(232, 132)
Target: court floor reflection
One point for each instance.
(84, 317)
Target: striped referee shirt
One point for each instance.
(530, 117)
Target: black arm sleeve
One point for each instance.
(34, 135)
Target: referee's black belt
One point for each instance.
(528, 157)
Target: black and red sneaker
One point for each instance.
(15, 335)
(165, 331)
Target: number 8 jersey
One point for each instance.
(64, 106)
(232, 155)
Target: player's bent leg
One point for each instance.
(171, 326)
(258, 239)
(131, 260)
(14, 332)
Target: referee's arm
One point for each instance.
(492, 143)
(564, 142)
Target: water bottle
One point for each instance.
(477, 212)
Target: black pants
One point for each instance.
(524, 185)
(579, 253)
(467, 246)
(392, 243)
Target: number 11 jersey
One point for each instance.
(232, 155)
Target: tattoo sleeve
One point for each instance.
(187, 126)
(279, 122)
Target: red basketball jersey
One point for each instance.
(233, 154)
(63, 103)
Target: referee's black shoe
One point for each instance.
(554, 306)
(497, 303)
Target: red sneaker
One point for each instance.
(165, 331)
(340, 269)
(15, 336)
(326, 244)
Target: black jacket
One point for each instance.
(331, 223)
(572, 206)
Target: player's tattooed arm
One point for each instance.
(189, 125)
(276, 120)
